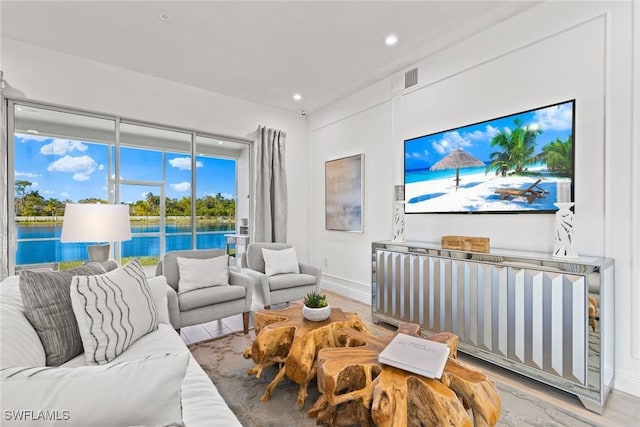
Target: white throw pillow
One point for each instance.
(201, 273)
(138, 392)
(280, 261)
(113, 310)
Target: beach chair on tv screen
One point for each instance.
(531, 193)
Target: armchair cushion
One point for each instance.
(210, 296)
(280, 261)
(202, 273)
(286, 281)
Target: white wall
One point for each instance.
(635, 189)
(553, 52)
(346, 257)
(521, 74)
(44, 75)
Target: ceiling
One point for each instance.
(261, 51)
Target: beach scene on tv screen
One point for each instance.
(518, 163)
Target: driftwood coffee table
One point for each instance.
(285, 338)
(357, 389)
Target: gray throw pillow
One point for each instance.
(46, 297)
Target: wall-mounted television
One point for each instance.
(520, 163)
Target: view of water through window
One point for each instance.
(51, 171)
(40, 242)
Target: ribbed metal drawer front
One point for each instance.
(521, 314)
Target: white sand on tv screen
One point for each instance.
(480, 197)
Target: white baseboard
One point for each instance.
(627, 383)
(355, 290)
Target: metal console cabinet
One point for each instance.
(527, 312)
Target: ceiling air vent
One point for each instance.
(411, 78)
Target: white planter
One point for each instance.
(316, 314)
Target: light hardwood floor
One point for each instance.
(621, 410)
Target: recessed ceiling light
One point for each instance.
(165, 18)
(391, 39)
(297, 97)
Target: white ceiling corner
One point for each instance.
(260, 51)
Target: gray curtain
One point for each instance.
(270, 201)
(4, 204)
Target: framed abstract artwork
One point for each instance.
(344, 194)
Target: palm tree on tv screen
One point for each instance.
(558, 155)
(518, 147)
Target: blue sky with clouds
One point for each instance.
(70, 169)
(555, 122)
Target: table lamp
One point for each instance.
(96, 223)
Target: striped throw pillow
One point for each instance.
(113, 311)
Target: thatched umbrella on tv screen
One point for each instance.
(457, 159)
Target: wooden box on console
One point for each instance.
(466, 243)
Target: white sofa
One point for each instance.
(20, 346)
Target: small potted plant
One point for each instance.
(316, 307)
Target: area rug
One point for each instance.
(222, 360)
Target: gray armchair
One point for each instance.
(205, 304)
(282, 287)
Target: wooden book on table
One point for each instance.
(416, 354)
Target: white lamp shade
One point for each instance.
(95, 223)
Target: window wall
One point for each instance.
(181, 186)
(53, 164)
(217, 190)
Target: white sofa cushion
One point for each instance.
(202, 404)
(113, 310)
(202, 273)
(19, 342)
(143, 392)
